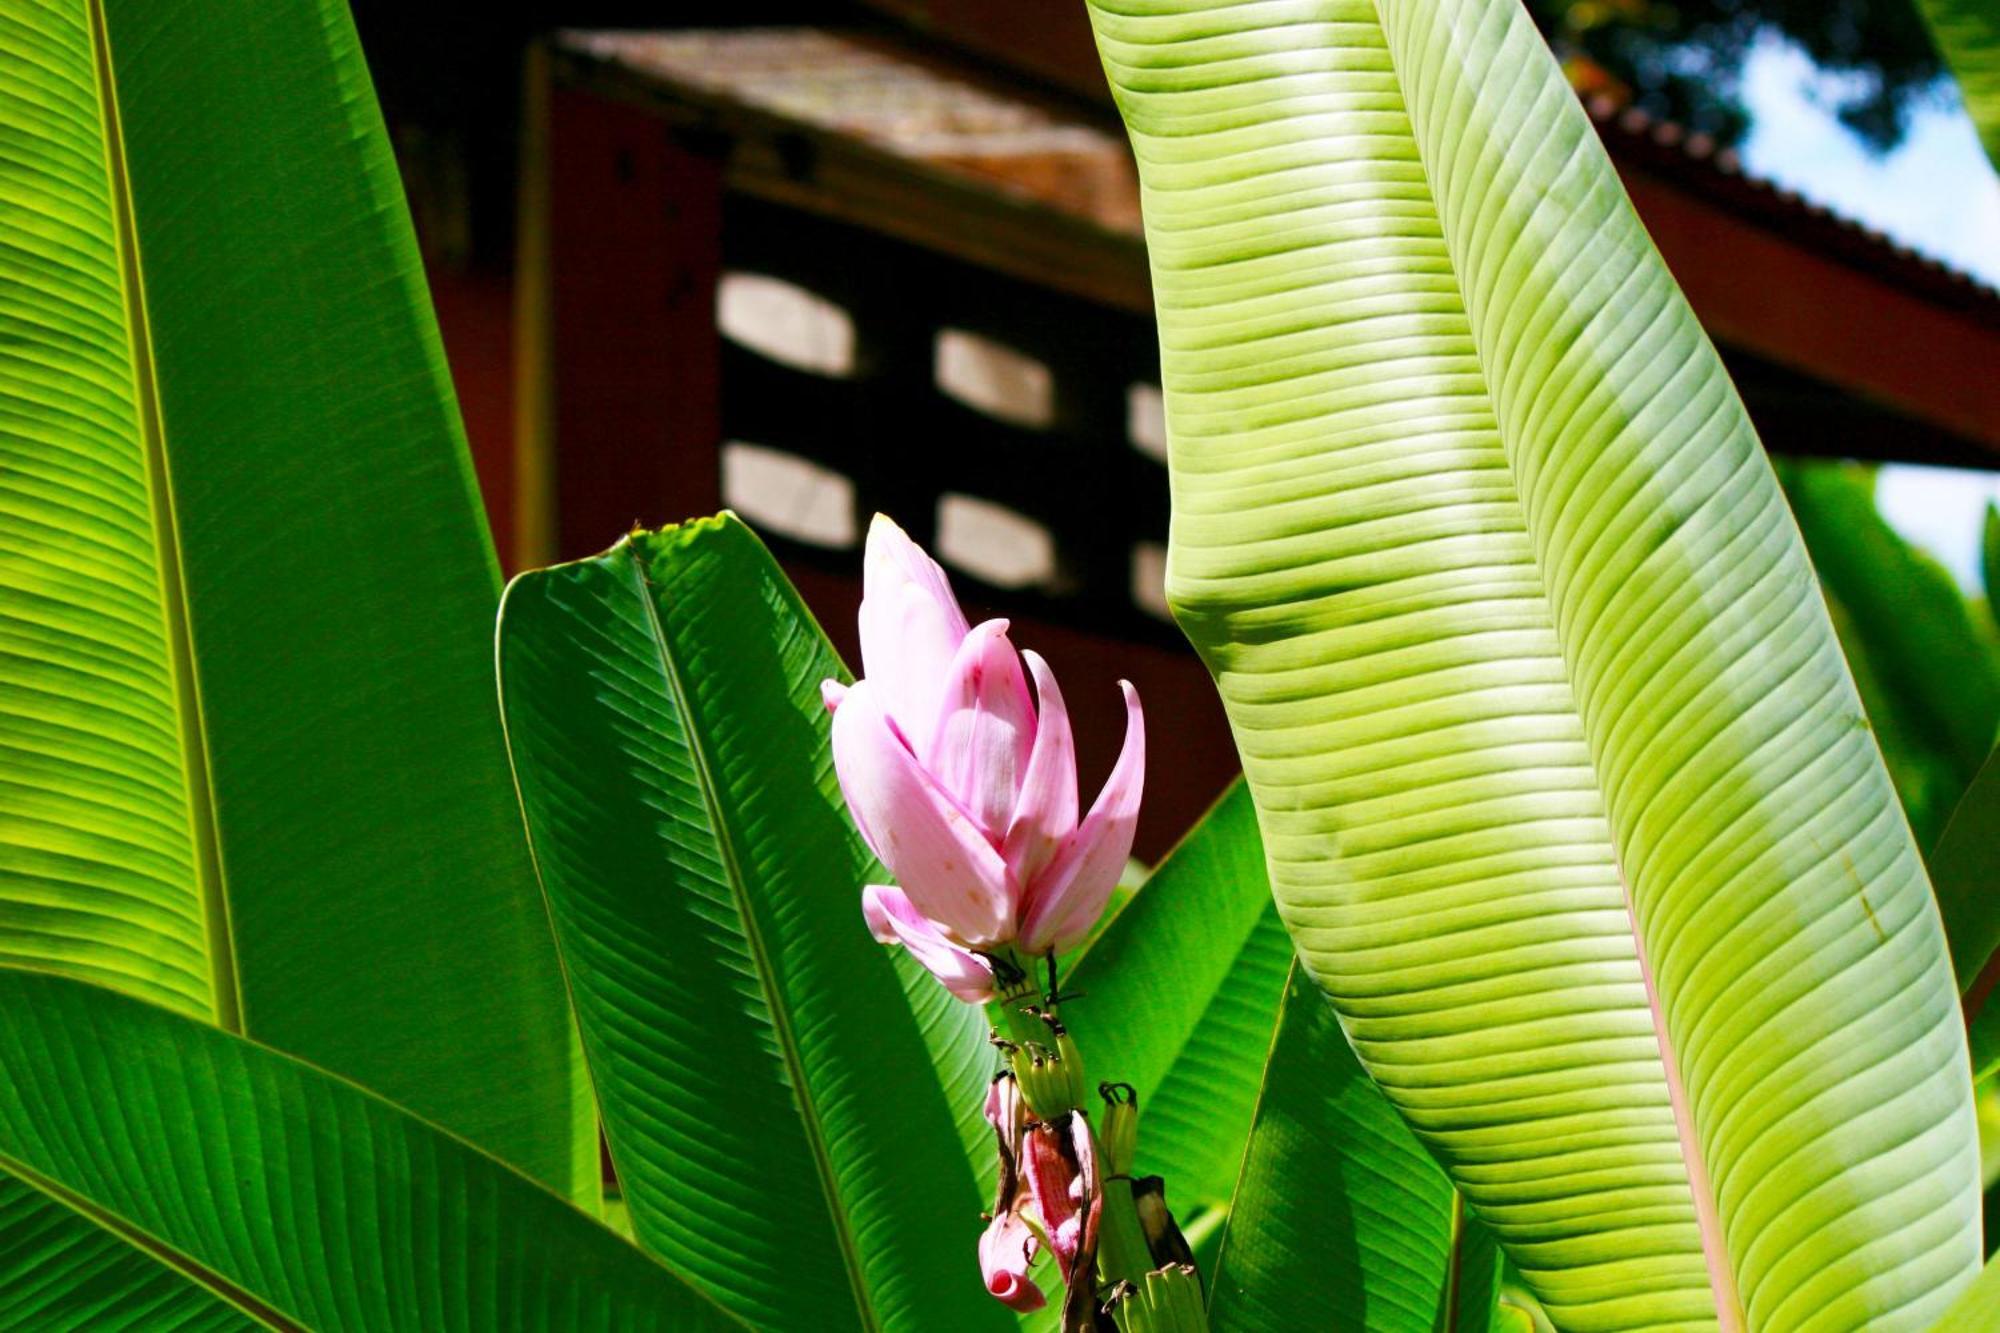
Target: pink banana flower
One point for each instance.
(1008, 1248)
(964, 784)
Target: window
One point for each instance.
(1149, 579)
(1146, 420)
(995, 379)
(783, 493)
(786, 323)
(993, 542)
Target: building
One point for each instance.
(886, 255)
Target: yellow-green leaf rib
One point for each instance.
(97, 864)
(249, 767)
(1502, 597)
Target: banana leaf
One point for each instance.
(249, 765)
(789, 1112)
(1967, 33)
(157, 1173)
(1340, 1218)
(1567, 796)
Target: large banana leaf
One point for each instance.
(1967, 33)
(249, 767)
(61, 1269)
(1566, 794)
(157, 1173)
(1341, 1219)
(1927, 781)
(785, 1126)
(1178, 997)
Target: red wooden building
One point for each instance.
(889, 258)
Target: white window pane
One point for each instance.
(1149, 579)
(783, 493)
(1146, 420)
(995, 379)
(786, 323)
(996, 543)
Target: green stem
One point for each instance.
(1122, 1252)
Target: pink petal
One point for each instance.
(1046, 812)
(910, 628)
(1064, 901)
(880, 904)
(893, 919)
(891, 554)
(1052, 1177)
(1060, 1165)
(1006, 1251)
(1007, 1111)
(831, 692)
(944, 863)
(986, 728)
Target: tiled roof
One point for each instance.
(1663, 148)
(952, 116)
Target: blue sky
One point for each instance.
(1936, 194)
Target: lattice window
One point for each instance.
(1017, 431)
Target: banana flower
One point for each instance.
(964, 783)
(1008, 1248)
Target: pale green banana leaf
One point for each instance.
(1566, 793)
(1967, 33)
(1927, 781)
(1341, 1220)
(787, 1129)
(249, 765)
(1178, 997)
(157, 1173)
(1978, 1310)
(1923, 660)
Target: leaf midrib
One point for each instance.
(725, 841)
(1714, 1245)
(168, 1256)
(225, 992)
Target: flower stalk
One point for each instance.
(963, 782)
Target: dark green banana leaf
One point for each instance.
(1341, 1219)
(157, 1173)
(789, 1112)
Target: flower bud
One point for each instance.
(963, 781)
(1118, 1135)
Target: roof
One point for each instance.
(1842, 341)
(1664, 148)
(952, 116)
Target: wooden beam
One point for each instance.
(1770, 276)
